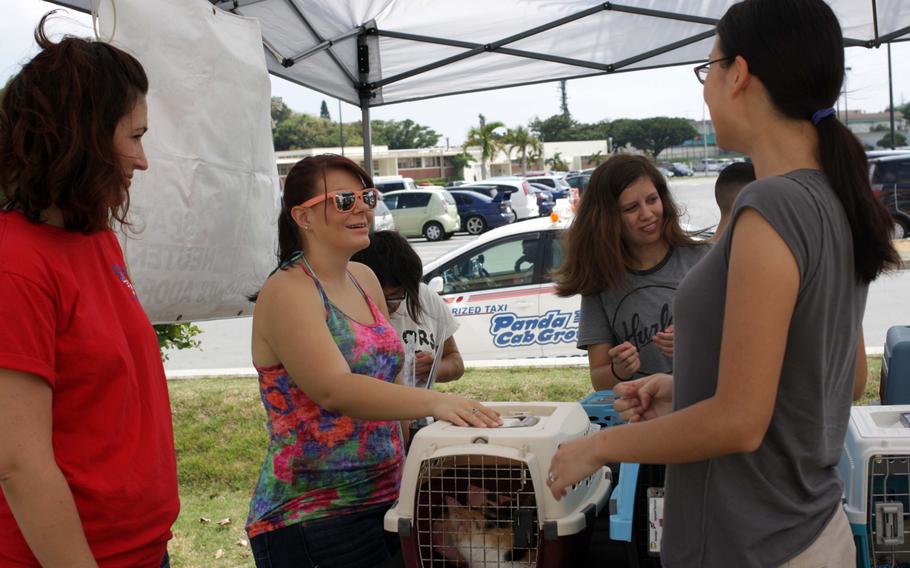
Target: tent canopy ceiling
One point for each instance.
(377, 52)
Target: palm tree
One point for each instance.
(557, 162)
(489, 141)
(521, 139)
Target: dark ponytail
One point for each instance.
(301, 184)
(796, 50)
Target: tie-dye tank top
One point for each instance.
(319, 463)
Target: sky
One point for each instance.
(660, 92)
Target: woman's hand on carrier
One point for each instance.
(645, 398)
(664, 341)
(462, 411)
(573, 462)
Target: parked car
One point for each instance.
(579, 182)
(665, 172)
(709, 165)
(480, 212)
(890, 179)
(393, 183)
(679, 169)
(523, 205)
(556, 184)
(545, 198)
(431, 213)
(382, 217)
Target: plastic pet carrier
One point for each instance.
(875, 469)
(895, 384)
(636, 504)
(477, 497)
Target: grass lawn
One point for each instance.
(219, 429)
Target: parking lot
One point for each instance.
(225, 343)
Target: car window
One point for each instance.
(462, 199)
(391, 201)
(487, 190)
(390, 185)
(409, 184)
(448, 198)
(502, 264)
(413, 200)
(554, 258)
(544, 181)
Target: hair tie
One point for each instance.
(822, 114)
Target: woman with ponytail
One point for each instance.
(768, 346)
(328, 363)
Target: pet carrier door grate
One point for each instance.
(889, 504)
(476, 511)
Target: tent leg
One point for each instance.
(367, 138)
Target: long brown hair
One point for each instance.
(796, 49)
(596, 256)
(57, 122)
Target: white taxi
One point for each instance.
(500, 290)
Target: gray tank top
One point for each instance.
(763, 508)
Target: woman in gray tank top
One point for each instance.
(768, 349)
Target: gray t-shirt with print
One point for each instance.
(763, 508)
(641, 307)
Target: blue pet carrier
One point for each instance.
(895, 384)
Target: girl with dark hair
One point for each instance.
(625, 255)
(87, 464)
(769, 348)
(328, 361)
(417, 313)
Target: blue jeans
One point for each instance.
(166, 561)
(348, 541)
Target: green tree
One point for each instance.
(885, 142)
(176, 336)
(557, 128)
(280, 111)
(488, 139)
(597, 158)
(403, 134)
(556, 162)
(460, 162)
(651, 134)
(520, 139)
(324, 111)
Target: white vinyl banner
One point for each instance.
(205, 212)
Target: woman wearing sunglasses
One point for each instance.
(418, 314)
(769, 348)
(328, 361)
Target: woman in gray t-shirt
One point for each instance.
(769, 349)
(625, 255)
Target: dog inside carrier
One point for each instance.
(477, 497)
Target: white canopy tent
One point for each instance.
(377, 52)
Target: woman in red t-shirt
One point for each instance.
(87, 464)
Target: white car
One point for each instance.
(499, 289)
(522, 200)
(382, 217)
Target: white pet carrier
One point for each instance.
(875, 469)
(478, 498)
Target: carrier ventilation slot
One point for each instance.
(888, 507)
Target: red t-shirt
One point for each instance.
(70, 315)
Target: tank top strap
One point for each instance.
(356, 283)
(308, 270)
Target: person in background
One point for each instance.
(87, 465)
(417, 313)
(728, 185)
(328, 363)
(626, 254)
(769, 345)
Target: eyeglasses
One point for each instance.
(392, 302)
(701, 72)
(345, 199)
